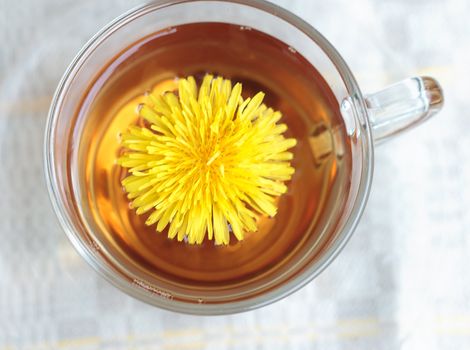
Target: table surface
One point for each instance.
(402, 281)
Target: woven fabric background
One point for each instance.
(403, 281)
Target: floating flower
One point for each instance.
(209, 162)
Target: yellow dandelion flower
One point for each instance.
(209, 163)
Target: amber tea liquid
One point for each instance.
(261, 63)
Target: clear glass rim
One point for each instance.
(258, 301)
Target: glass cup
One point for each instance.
(369, 119)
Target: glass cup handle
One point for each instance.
(402, 106)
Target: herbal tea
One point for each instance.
(321, 157)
